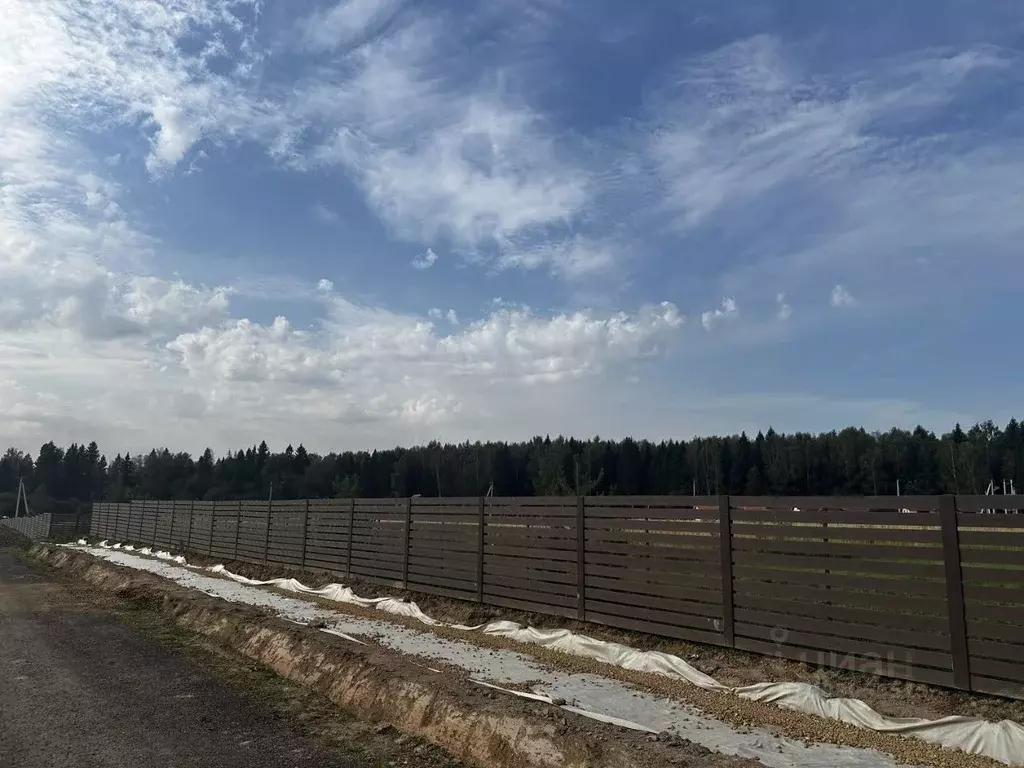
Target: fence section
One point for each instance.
(653, 565)
(443, 545)
(56, 526)
(918, 588)
(843, 581)
(992, 575)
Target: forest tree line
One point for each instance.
(849, 462)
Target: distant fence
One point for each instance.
(58, 526)
(934, 597)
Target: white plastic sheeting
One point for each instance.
(593, 696)
(1002, 741)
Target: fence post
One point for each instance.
(170, 534)
(480, 552)
(266, 532)
(351, 520)
(128, 525)
(725, 540)
(213, 525)
(955, 594)
(305, 534)
(581, 558)
(238, 525)
(191, 519)
(408, 537)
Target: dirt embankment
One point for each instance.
(380, 686)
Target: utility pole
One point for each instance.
(22, 497)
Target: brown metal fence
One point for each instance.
(922, 588)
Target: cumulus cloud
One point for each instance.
(366, 365)
(425, 260)
(711, 317)
(841, 297)
(784, 311)
(358, 343)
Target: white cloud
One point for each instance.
(745, 120)
(841, 297)
(325, 215)
(439, 157)
(438, 314)
(360, 342)
(324, 285)
(343, 24)
(425, 260)
(572, 258)
(122, 62)
(785, 311)
(711, 317)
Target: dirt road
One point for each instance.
(80, 686)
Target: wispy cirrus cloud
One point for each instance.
(344, 23)
(747, 120)
(441, 156)
(822, 172)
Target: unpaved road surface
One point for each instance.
(79, 687)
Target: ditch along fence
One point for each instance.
(922, 588)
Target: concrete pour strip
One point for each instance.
(601, 697)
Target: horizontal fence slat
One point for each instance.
(659, 602)
(996, 650)
(655, 579)
(798, 610)
(641, 613)
(1003, 688)
(786, 563)
(654, 628)
(886, 585)
(528, 596)
(993, 668)
(531, 585)
(974, 503)
(991, 630)
(507, 571)
(744, 589)
(898, 668)
(857, 504)
(816, 641)
(782, 531)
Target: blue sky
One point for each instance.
(374, 222)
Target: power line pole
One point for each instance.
(22, 496)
